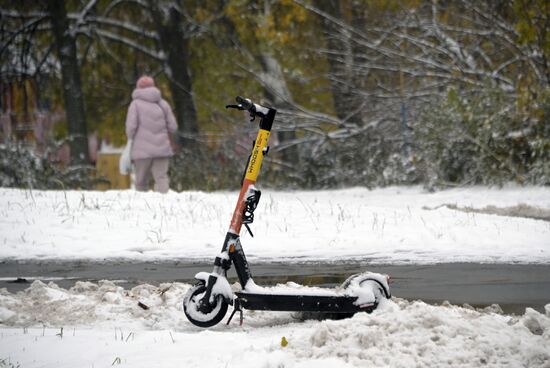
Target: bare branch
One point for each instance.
(131, 43)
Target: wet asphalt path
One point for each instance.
(513, 287)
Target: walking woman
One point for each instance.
(150, 122)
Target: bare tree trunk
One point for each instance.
(276, 90)
(65, 42)
(271, 78)
(341, 63)
(175, 45)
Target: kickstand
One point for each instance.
(237, 307)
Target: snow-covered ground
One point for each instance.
(103, 325)
(393, 225)
(99, 325)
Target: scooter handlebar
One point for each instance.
(246, 103)
(251, 107)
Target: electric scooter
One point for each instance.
(206, 303)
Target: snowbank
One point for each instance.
(103, 325)
(393, 225)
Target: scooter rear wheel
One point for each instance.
(198, 316)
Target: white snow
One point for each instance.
(221, 286)
(393, 225)
(363, 286)
(100, 325)
(45, 326)
(290, 288)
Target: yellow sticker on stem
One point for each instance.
(257, 155)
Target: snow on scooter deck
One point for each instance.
(360, 292)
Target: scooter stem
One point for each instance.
(231, 246)
(251, 174)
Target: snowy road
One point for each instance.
(513, 287)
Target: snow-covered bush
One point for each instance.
(201, 167)
(367, 159)
(21, 168)
(489, 137)
(484, 137)
(539, 172)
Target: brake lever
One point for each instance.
(241, 107)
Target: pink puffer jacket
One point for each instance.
(149, 122)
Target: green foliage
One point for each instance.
(532, 21)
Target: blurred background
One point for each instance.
(368, 92)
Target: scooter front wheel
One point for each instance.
(203, 315)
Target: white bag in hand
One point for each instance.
(125, 163)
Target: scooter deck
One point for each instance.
(302, 303)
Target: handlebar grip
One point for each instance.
(245, 102)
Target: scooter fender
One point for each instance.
(358, 279)
(220, 287)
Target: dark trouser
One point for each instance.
(158, 167)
